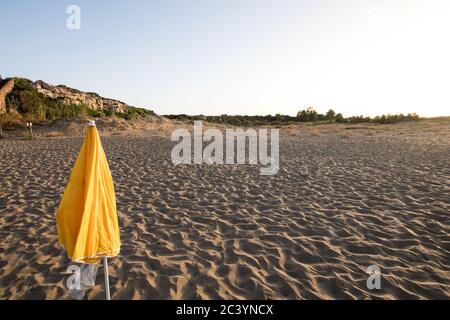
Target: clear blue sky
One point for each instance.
(239, 56)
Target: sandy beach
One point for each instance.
(345, 197)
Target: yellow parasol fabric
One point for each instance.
(87, 219)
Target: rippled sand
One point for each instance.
(343, 200)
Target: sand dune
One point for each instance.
(340, 203)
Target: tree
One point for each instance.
(308, 115)
(330, 114)
(339, 118)
(311, 114)
(301, 116)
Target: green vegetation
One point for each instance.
(130, 114)
(135, 112)
(308, 115)
(35, 107)
(237, 119)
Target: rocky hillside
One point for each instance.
(5, 88)
(73, 96)
(25, 100)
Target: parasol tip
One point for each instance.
(91, 123)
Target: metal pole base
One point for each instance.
(105, 265)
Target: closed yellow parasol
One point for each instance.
(86, 218)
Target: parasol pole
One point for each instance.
(105, 265)
(105, 259)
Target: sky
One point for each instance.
(254, 57)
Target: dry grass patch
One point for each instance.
(345, 134)
(54, 134)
